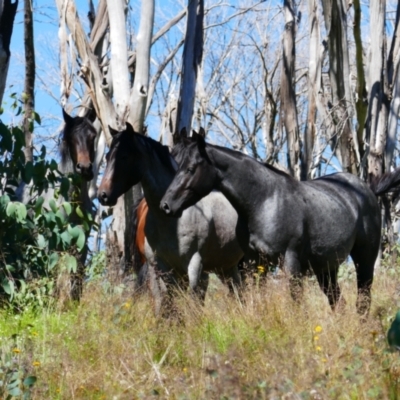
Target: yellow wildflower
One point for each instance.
(36, 363)
(318, 348)
(16, 350)
(318, 329)
(127, 304)
(316, 338)
(260, 269)
(184, 370)
(324, 360)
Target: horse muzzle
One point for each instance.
(105, 199)
(170, 212)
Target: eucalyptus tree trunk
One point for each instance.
(29, 89)
(314, 86)
(192, 57)
(343, 137)
(377, 110)
(361, 103)
(7, 15)
(288, 110)
(136, 100)
(393, 71)
(90, 70)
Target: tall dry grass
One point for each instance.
(111, 346)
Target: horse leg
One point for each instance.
(198, 280)
(294, 269)
(329, 285)
(233, 280)
(162, 285)
(364, 261)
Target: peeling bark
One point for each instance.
(288, 96)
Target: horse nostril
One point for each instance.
(166, 208)
(78, 166)
(103, 196)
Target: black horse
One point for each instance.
(313, 224)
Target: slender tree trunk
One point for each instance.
(361, 101)
(393, 70)
(314, 86)
(288, 95)
(377, 113)
(343, 141)
(7, 15)
(192, 56)
(29, 90)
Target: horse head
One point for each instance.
(123, 169)
(78, 143)
(194, 179)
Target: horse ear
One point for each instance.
(183, 133)
(113, 131)
(201, 143)
(67, 118)
(129, 128)
(91, 114)
(202, 132)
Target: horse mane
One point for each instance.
(277, 170)
(162, 151)
(238, 155)
(66, 160)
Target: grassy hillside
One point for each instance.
(111, 346)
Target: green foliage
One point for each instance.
(15, 381)
(36, 235)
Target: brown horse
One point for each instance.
(78, 154)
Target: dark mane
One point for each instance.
(240, 156)
(277, 170)
(162, 151)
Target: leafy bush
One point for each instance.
(15, 381)
(34, 236)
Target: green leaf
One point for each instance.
(11, 207)
(67, 207)
(53, 205)
(79, 212)
(8, 286)
(74, 231)
(53, 260)
(71, 263)
(15, 392)
(21, 211)
(60, 216)
(80, 243)
(66, 238)
(41, 241)
(29, 381)
(36, 117)
(39, 202)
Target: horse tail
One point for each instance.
(385, 183)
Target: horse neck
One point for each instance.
(244, 181)
(157, 167)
